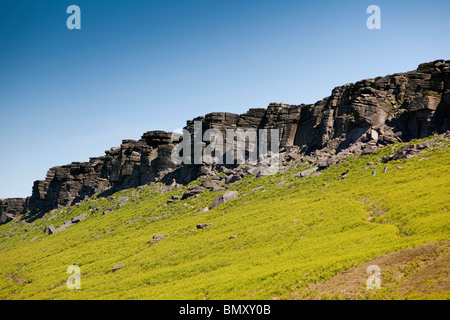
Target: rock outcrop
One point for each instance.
(222, 198)
(356, 118)
(10, 208)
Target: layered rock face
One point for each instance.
(133, 163)
(401, 106)
(357, 117)
(10, 208)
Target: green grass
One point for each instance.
(287, 238)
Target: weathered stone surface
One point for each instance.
(50, 230)
(203, 225)
(205, 209)
(79, 218)
(112, 208)
(192, 192)
(326, 162)
(117, 267)
(222, 198)
(123, 200)
(282, 183)
(217, 189)
(306, 173)
(409, 151)
(158, 237)
(425, 144)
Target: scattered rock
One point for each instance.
(254, 170)
(217, 189)
(222, 198)
(79, 218)
(135, 220)
(119, 266)
(123, 200)
(205, 209)
(425, 144)
(156, 239)
(282, 183)
(159, 237)
(50, 229)
(204, 225)
(112, 208)
(192, 192)
(306, 173)
(234, 178)
(324, 163)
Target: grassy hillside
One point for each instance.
(287, 240)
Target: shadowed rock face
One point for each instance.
(358, 116)
(10, 208)
(132, 164)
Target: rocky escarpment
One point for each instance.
(356, 118)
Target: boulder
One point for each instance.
(425, 144)
(112, 208)
(122, 200)
(306, 173)
(192, 192)
(217, 189)
(222, 198)
(203, 225)
(117, 267)
(79, 218)
(282, 183)
(324, 163)
(205, 209)
(50, 229)
(158, 237)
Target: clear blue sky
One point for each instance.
(135, 66)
